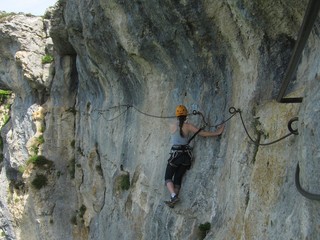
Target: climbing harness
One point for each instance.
(311, 196)
(176, 151)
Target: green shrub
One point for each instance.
(122, 182)
(72, 168)
(35, 149)
(204, 229)
(47, 59)
(21, 169)
(125, 182)
(4, 15)
(6, 119)
(39, 181)
(42, 129)
(47, 15)
(82, 210)
(40, 161)
(73, 143)
(7, 106)
(4, 95)
(40, 140)
(5, 92)
(73, 220)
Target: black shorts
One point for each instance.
(176, 167)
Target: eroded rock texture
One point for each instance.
(117, 64)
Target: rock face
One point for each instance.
(86, 147)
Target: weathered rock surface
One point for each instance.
(118, 62)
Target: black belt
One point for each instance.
(181, 147)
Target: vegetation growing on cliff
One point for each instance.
(7, 16)
(204, 229)
(4, 15)
(47, 59)
(5, 106)
(40, 161)
(39, 181)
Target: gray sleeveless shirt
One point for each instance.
(176, 138)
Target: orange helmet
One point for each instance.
(181, 111)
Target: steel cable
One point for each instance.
(232, 110)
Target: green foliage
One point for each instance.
(16, 185)
(78, 216)
(35, 149)
(4, 96)
(122, 182)
(72, 168)
(5, 92)
(73, 220)
(125, 182)
(21, 169)
(73, 143)
(42, 129)
(40, 161)
(6, 119)
(47, 59)
(4, 16)
(47, 15)
(82, 210)
(204, 229)
(39, 181)
(6, 105)
(40, 140)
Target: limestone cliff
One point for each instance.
(85, 149)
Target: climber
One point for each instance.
(181, 153)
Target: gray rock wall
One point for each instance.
(115, 64)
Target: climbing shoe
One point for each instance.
(174, 199)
